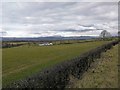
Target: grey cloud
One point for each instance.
(73, 30)
(91, 25)
(36, 33)
(56, 17)
(3, 33)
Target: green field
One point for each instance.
(23, 61)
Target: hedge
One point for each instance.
(10, 45)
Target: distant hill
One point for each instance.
(47, 38)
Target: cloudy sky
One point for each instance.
(36, 19)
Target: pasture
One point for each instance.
(20, 62)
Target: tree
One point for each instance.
(105, 34)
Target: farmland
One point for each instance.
(20, 62)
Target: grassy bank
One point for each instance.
(102, 74)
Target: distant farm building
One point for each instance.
(45, 44)
(105, 34)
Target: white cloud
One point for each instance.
(60, 0)
(32, 19)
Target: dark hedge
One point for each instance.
(58, 76)
(10, 45)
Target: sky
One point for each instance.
(41, 19)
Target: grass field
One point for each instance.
(23, 61)
(102, 74)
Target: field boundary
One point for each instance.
(58, 75)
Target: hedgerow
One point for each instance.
(7, 45)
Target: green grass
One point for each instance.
(23, 61)
(102, 74)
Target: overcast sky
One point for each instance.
(35, 19)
